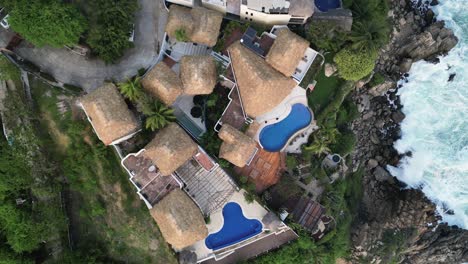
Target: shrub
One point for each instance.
(347, 113)
(46, 22)
(291, 162)
(345, 143)
(181, 35)
(355, 65)
(377, 79)
(111, 25)
(326, 35)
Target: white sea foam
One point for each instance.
(435, 129)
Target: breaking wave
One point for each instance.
(435, 129)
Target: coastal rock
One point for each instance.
(330, 69)
(372, 163)
(405, 65)
(398, 116)
(382, 175)
(382, 88)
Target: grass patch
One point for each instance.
(108, 221)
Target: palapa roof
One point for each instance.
(303, 8)
(237, 147)
(170, 148)
(286, 52)
(201, 25)
(109, 114)
(261, 87)
(163, 83)
(179, 219)
(198, 74)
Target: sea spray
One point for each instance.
(435, 129)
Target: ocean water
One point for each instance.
(435, 129)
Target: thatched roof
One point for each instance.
(170, 148)
(198, 74)
(302, 8)
(179, 219)
(163, 83)
(207, 25)
(109, 114)
(261, 87)
(201, 25)
(237, 148)
(287, 51)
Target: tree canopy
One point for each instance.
(46, 22)
(355, 65)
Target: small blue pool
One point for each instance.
(325, 5)
(236, 228)
(274, 137)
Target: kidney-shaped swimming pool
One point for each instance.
(274, 137)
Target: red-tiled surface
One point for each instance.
(234, 115)
(169, 62)
(153, 185)
(204, 160)
(236, 35)
(265, 43)
(307, 213)
(264, 170)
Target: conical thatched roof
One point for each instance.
(198, 74)
(201, 25)
(261, 87)
(179, 219)
(287, 51)
(109, 114)
(163, 83)
(170, 148)
(237, 148)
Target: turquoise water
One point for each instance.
(436, 126)
(274, 137)
(236, 228)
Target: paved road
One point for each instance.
(71, 68)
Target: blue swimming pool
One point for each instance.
(325, 5)
(274, 137)
(236, 228)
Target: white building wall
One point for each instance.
(188, 3)
(219, 6)
(250, 15)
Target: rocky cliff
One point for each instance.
(396, 224)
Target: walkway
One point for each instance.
(77, 70)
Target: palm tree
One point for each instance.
(368, 35)
(318, 147)
(157, 115)
(131, 89)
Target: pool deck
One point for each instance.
(251, 211)
(297, 96)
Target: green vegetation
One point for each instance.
(368, 35)
(157, 115)
(325, 35)
(32, 221)
(108, 222)
(377, 79)
(354, 65)
(131, 89)
(8, 71)
(344, 144)
(341, 201)
(181, 35)
(227, 31)
(291, 162)
(46, 22)
(110, 26)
